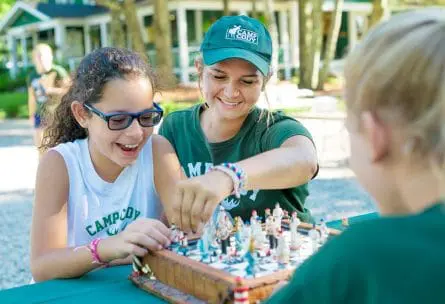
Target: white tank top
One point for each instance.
(98, 209)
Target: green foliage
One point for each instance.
(7, 84)
(14, 105)
(172, 106)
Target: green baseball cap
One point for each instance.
(238, 37)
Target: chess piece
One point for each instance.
(345, 222)
(314, 236)
(283, 251)
(241, 292)
(223, 229)
(183, 243)
(278, 213)
(250, 257)
(295, 239)
(270, 228)
(175, 234)
(253, 218)
(324, 231)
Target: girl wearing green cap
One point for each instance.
(232, 152)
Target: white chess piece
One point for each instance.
(278, 213)
(283, 251)
(324, 231)
(314, 235)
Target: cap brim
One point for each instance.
(214, 56)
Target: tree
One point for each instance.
(117, 31)
(380, 11)
(133, 27)
(271, 22)
(226, 10)
(316, 42)
(254, 10)
(305, 33)
(331, 43)
(163, 43)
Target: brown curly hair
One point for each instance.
(94, 72)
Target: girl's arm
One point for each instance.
(50, 257)
(167, 173)
(292, 164)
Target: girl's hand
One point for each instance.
(139, 237)
(198, 197)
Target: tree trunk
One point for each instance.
(316, 42)
(254, 10)
(163, 44)
(272, 25)
(226, 7)
(331, 43)
(134, 28)
(380, 12)
(117, 31)
(305, 33)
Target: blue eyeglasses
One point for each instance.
(118, 121)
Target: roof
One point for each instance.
(69, 10)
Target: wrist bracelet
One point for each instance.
(92, 247)
(236, 173)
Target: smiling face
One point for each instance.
(120, 148)
(231, 87)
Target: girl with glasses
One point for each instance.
(96, 196)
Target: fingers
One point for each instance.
(197, 209)
(140, 242)
(176, 208)
(209, 209)
(186, 206)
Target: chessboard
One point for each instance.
(251, 263)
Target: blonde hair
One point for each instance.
(398, 73)
(42, 48)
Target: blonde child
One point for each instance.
(395, 96)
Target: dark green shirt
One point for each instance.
(387, 260)
(41, 97)
(196, 155)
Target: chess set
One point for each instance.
(232, 261)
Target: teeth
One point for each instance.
(230, 103)
(130, 146)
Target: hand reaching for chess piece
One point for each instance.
(197, 198)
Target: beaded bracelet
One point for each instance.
(92, 247)
(236, 173)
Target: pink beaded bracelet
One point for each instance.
(92, 247)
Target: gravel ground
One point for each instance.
(334, 193)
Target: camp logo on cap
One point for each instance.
(238, 33)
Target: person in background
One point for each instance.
(46, 84)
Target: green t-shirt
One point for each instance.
(197, 155)
(386, 260)
(57, 72)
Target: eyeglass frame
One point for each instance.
(107, 116)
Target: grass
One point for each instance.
(13, 105)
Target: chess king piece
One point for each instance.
(278, 213)
(241, 292)
(283, 251)
(295, 239)
(314, 236)
(223, 229)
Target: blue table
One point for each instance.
(110, 285)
